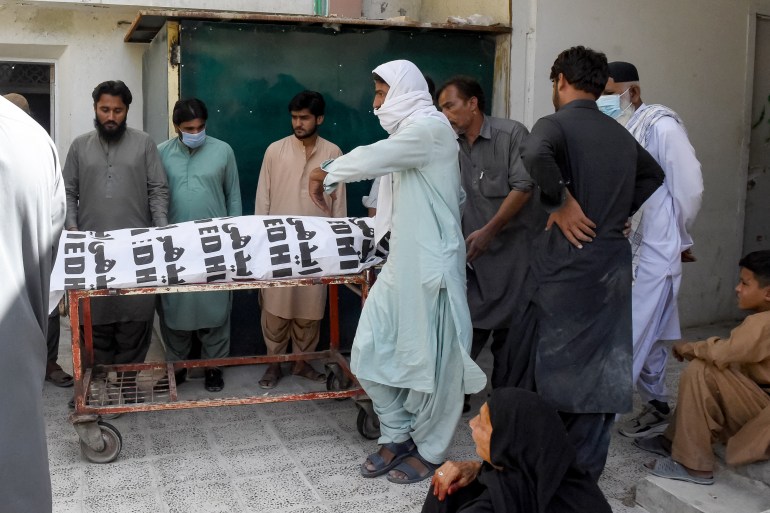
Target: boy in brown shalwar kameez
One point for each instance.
(724, 391)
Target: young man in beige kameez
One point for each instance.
(295, 312)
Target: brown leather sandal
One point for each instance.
(305, 370)
(271, 376)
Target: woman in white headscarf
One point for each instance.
(410, 352)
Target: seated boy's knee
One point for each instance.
(695, 369)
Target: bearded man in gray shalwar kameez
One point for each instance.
(114, 179)
(32, 196)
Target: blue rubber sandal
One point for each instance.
(412, 474)
(399, 450)
(670, 469)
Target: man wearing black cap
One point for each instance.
(660, 239)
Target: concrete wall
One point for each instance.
(437, 11)
(269, 6)
(692, 55)
(87, 47)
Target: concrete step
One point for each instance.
(758, 471)
(730, 493)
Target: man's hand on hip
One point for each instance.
(572, 222)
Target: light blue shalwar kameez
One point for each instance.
(410, 351)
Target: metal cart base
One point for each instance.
(109, 390)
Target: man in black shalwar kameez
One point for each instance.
(574, 346)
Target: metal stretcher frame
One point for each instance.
(95, 437)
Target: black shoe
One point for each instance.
(214, 381)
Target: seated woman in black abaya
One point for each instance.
(528, 464)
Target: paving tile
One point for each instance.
(64, 450)
(311, 508)
(67, 505)
(275, 410)
(200, 466)
(169, 419)
(220, 415)
(65, 482)
(325, 450)
(297, 427)
(178, 441)
(117, 476)
(381, 505)
(242, 434)
(260, 460)
(128, 502)
(210, 497)
(277, 491)
(336, 482)
(134, 445)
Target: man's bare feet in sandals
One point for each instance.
(413, 469)
(387, 457)
(271, 376)
(305, 370)
(670, 469)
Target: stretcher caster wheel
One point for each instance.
(336, 380)
(368, 423)
(111, 445)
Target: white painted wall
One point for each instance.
(85, 42)
(693, 56)
(86, 47)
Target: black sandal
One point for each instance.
(411, 472)
(398, 450)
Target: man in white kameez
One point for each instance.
(33, 208)
(410, 353)
(660, 240)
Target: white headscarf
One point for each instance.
(408, 97)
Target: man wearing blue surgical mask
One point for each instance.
(660, 241)
(203, 180)
(618, 105)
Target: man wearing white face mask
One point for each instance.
(203, 181)
(660, 240)
(410, 352)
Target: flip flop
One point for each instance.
(670, 469)
(413, 475)
(271, 377)
(59, 378)
(653, 444)
(399, 450)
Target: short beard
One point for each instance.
(307, 135)
(110, 135)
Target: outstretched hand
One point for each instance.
(572, 222)
(315, 187)
(453, 475)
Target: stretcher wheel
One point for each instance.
(113, 443)
(368, 423)
(336, 380)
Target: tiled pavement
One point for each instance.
(282, 457)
